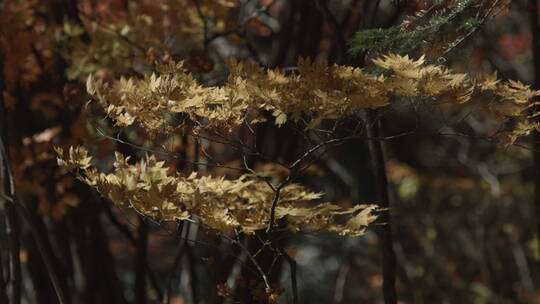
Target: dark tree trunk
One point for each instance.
(140, 262)
(374, 130)
(12, 219)
(535, 32)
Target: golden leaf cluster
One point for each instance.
(315, 92)
(318, 91)
(242, 204)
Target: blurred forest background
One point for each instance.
(465, 217)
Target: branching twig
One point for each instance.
(275, 189)
(257, 266)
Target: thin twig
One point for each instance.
(275, 189)
(165, 153)
(275, 203)
(256, 264)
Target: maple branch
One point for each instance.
(234, 273)
(275, 203)
(170, 154)
(257, 266)
(276, 189)
(240, 259)
(273, 211)
(310, 151)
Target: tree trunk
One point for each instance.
(12, 220)
(374, 130)
(535, 28)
